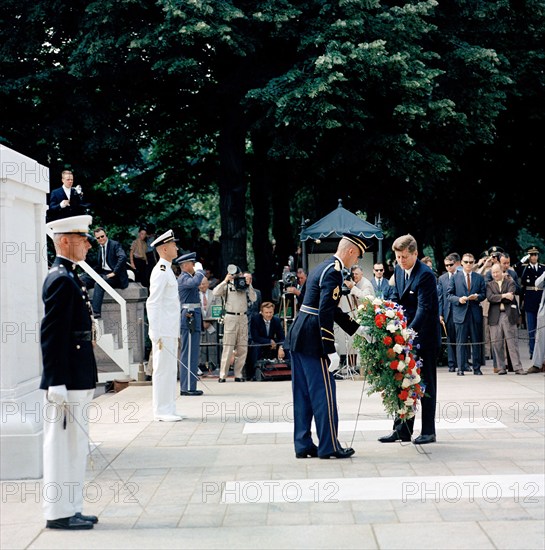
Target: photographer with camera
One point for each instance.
(236, 290)
(297, 289)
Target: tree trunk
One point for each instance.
(232, 190)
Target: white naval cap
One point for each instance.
(78, 225)
(165, 238)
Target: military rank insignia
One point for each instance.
(336, 293)
(163, 267)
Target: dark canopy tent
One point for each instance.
(326, 232)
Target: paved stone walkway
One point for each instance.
(226, 476)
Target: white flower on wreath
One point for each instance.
(391, 327)
(376, 302)
(398, 348)
(406, 382)
(390, 313)
(409, 401)
(401, 366)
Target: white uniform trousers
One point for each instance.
(165, 374)
(65, 454)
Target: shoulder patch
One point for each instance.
(336, 293)
(163, 267)
(337, 265)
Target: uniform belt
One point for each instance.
(532, 288)
(309, 309)
(82, 335)
(191, 306)
(234, 313)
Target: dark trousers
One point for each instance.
(451, 343)
(189, 363)
(473, 330)
(98, 291)
(314, 396)
(428, 403)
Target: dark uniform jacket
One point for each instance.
(66, 330)
(531, 295)
(312, 331)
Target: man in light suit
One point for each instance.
(452, 263)
(466, 291)
(415, 289)
(65, 201)
(111, 265)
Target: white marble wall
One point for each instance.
(23, 187)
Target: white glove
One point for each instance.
(57, 394)
(524, 259)
(198, 266)
(334, 361)
(364, 332)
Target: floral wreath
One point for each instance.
(390, 365)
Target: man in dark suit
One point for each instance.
(111, 265)
(381, 286)
(415, 290)
(69, 376)
(267, 335)
(311, 344)
(452, 263)
(466, 291)
(65, 201)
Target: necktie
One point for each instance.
(103, 256)
(204, 300)
(267, 325)
(468, 282)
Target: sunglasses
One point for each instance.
(533, 254)
(449, 265)
(378, 270)
(101, 236)
(468, 261)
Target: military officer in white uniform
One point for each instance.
(69, 377)
(163, 309)
(236, 289)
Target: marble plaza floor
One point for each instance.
(226, 476)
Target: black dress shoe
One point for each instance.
(460, 373)
(240, 380)
(191, 392)
(221, 380)
(92, 519)
(393, 437)
(478, 371)
(72, 523)
(452, 369)
(341, 453)
(309, 453)
(423, 439)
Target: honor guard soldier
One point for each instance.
(529, 269)
(188, 290)
(163, 308)
(69, 376)
(314, 358)
(235, 290)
